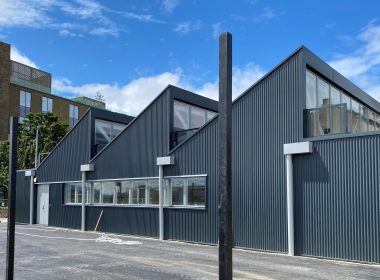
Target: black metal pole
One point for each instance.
(11, 198)
(225, 121)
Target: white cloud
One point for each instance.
(83, 16)
(168, 6)
(216, 29)
(137, 94)
(188, 26)
(19, 57)
(23, 13)
(363, 65)
(265, 16)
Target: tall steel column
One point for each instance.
(11, 198)
(225, 190)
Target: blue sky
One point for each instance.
(130, 50)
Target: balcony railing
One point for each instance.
(29, 77)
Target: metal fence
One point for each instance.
(30, 77)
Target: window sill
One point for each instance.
(189, 207)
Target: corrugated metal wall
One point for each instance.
(134, 152)
(63, 164)
(265, 118)
(22, 197)
(130, 220)
(61, 215)
(337, 199)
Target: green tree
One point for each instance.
(50, 131)
(4, 167)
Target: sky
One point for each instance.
(129, 51)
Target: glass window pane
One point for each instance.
(102, 132)
(347, 102)
(197, 191)
(27, 99)
(108, 192)
(323, 121)
(122, 191)
(69, 193)
(138, 192)
(377, 122)
(117, 128)
(371, 120)
(153, 190)
(210, 115)
(181, 116)
(355, 116)
(79, 192)
(334, 96)
(363, 118)
(311, 90)
(96, 189)
(177, 191)
(337, 118)
(197, 117)
(311, 122)
(323, 93)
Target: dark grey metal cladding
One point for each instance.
(22, 197)
(131, 220)
(268, 115)
(63, 163)
(337, 199)
(61, 215)
(134, 152)
(198, 155)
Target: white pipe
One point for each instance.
(161, 200)
(83, 225)
(31, 200)
(290, 205)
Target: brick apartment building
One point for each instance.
(24, 89)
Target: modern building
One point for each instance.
(24, 89)
(305, 168)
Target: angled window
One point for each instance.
(187, 119)
(105, 131)
(328, 110)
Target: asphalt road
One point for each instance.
(51, 253)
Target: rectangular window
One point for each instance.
(73, 115)
(122, 192)
(95, 192)
(25, 100)
(181, 116)
(108, 189)
(355, 116)
(196, 192)
(47, 104)
(371, 121)
(153, 192)
(178, 186)
(70, 193)
(311, 90)
(363, 119)
(346, 101)
(138, 191)
(189, 191)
